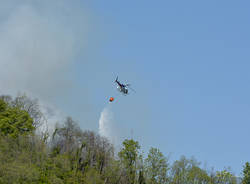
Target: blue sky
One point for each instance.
(187, 60)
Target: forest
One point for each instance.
(72, 155)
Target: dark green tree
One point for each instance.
(225, 177)
(14, 121)
(31, 106)
(128, 156)
(246, 174)
(188, 171)
(198, 175)
(156, 167)
(141, 179)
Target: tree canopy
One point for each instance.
(14, 121)
(73, 155)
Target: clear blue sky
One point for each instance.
(189, 62)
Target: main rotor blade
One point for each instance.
(131, 88)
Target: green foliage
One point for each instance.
(128, 156)
(17, 161)
(246, 174)
(225, 177)
(14, 121)
(188, 171)
(141, 179)
(129, 152)
(156, 167)
(3, 106)
(197, 175)
(93, 177)
(16, 172)
(113, 172)
(180, 170)
(74, 156)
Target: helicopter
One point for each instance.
(123, 88)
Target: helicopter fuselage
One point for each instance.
(122, 89)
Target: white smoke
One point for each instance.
(52, 116)
(39, 43)
(107, 127)
(34, 53)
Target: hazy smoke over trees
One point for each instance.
(39, 43)
(37, 48)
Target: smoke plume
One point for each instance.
(39, 43)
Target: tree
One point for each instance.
(93, 177)
(180, 170)
(141, 179)
(67, 137)
(31, 106)
(97, 153)
(225, 177)
(128, 156)
(113, 172)
(197, 175)
(156, 167)
(246, 174)
(188, 171)
(14, 121)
